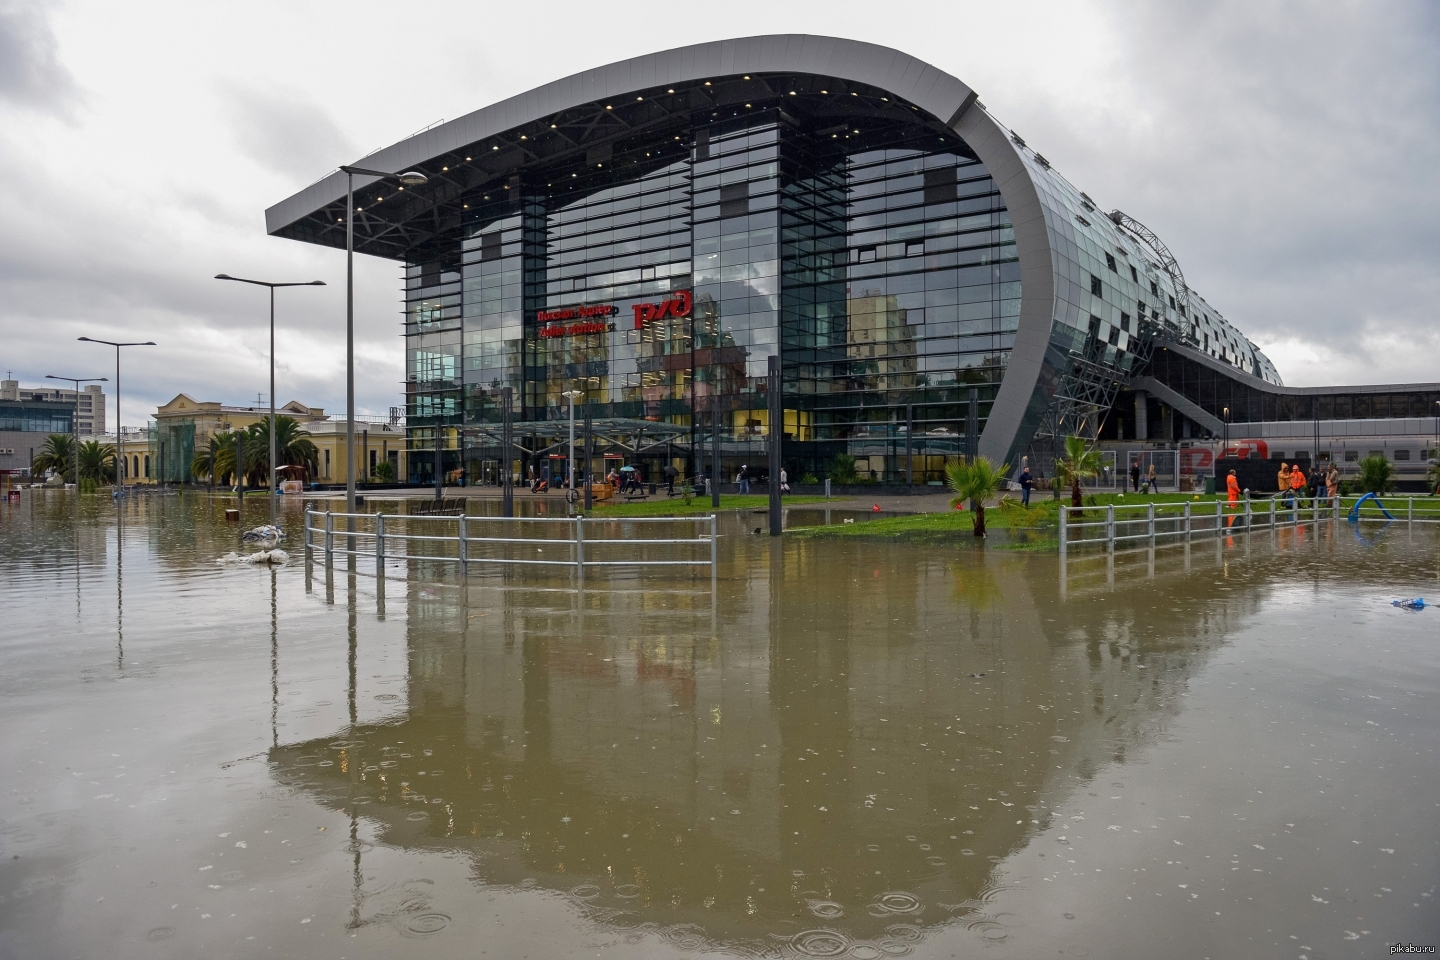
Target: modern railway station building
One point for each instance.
(650, 233)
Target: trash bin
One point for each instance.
(652, 488)
(1209, 486)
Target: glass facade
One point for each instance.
(875, 258)
(37, 416)
(649, 251)
(1227, 398)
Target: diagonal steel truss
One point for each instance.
(1085, 393)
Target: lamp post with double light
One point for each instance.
(409, 178)
(119, 430)
(75, 419)
(273, 442)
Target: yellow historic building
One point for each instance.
(375, 443)
(164, 450)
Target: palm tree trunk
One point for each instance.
(979, 518)
(1075, 493)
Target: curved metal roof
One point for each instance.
(932, 90)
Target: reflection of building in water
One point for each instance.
(901, 736)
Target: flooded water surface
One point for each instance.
(835, 749)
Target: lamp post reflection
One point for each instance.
(274, 659)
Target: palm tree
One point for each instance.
(97, 462)
(1080, 461)
(1433, 475)
(57, 454)
(974, 480)
(293, 446)
(842, 469)
(1377, 474)
(222, 448)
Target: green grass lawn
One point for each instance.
(952, 527)
(1035, 530)
(661, 506)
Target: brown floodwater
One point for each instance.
(843, 749)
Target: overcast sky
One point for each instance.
(1286, 153)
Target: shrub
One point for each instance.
(1377, 474)
(842, 469)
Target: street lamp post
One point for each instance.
(273, 444)
(75, 421)
(1225, 446)
(409, 178)
(571, 395)
(119, 474)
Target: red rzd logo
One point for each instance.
(677, 306)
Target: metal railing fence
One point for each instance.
(586, 543)
(1116, 524)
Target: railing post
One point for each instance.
(1064, 532)
(1187, 520)
(329, 538)
(580, 544)
(1247, 514)
(380, 546)
(1410, 510)
(714, 566)
(1150, 515)
(1110, 526)
(309, 515)
(1219, 512)
(464, 545)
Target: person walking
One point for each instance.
(1232, 487)
(1332, 481)
(784, 481)
(1027, 481)
(742, 478)
(1135, 475)
(1282, 479)
(1150, 480)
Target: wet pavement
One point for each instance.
(842, 749)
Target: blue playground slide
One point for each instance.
(1355, 510)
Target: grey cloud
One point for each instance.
(1286, 153)
(285, 131)
(31, 74)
